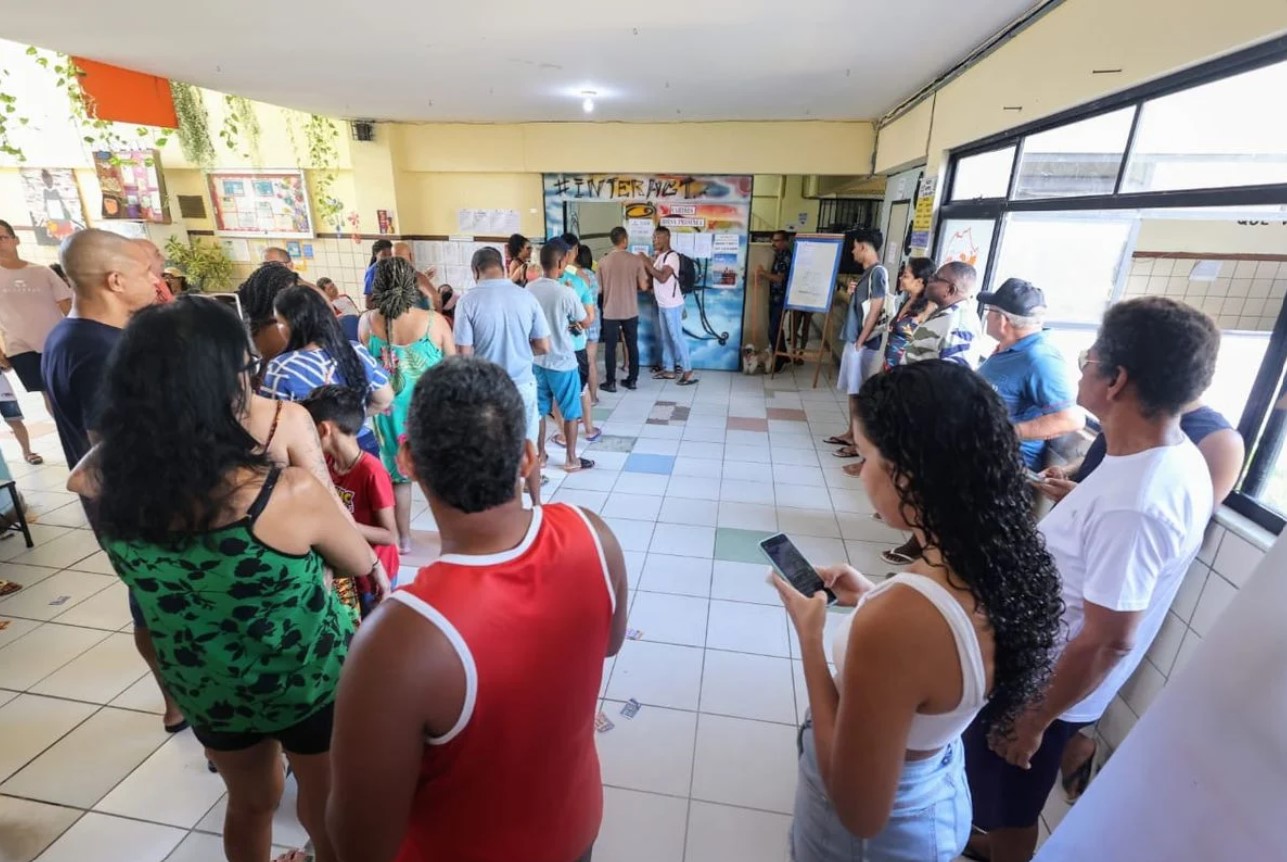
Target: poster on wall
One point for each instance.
(133, 186)
(708, 218)
(815, 262)
(53, 201)
(260, 203)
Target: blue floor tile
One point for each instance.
(659, 464)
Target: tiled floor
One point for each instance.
(690, 479)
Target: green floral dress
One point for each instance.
(248, 638)
(406, 364)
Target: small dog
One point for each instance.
(751, 360)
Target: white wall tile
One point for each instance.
(1117, 722)
(1167, 643)
(1142, 687)
(1237, 559)
(1192, 640)
(1186, 598)
(1215, 598)
(1211, 542)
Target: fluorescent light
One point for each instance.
(587, 104)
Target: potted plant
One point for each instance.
(207, 267)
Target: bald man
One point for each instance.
(156, 265)
(276, 254)
(111, 279)
(424, 280)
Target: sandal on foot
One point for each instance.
(688, 381)
(846, 452)
(178, 727)
(581, 464)
(594, 435)
(854, 470)
(896, 558)
(1075, 784)
(663, 375)
(837, 441)
(557, 440)
(33, 458)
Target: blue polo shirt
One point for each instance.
(1033, 381)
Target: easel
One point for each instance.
(790, 321)
(810, 287)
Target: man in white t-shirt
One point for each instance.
(1122, 541)
(664, 270)
(33, 299)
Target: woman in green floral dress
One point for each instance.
(224, 552)
(407, 341)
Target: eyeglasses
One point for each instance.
(1083, 359)
(251, 366)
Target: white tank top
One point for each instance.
(932, 732)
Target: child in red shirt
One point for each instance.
(361, 480)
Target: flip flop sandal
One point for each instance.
(33, 458)
(557, 440)
(582, 464)
(545, 480)
(836, 441)
(662, 375)
(1075, 784)
(8, 587)
(691, 381)
(594, 436)
(846, 452)
(177, 727)
(854, 470)
(894, 558)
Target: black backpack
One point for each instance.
(687, 273)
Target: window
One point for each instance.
(986, 175)
(1214, 136)
(1176, 188)
(1077, 159)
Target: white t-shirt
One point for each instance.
(29, 310)
(667, 292)
(1123, 540)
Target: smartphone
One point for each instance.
(1034, 478)
(791, 565)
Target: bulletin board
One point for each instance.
(260, 203)
(133, 185)
(815, 263)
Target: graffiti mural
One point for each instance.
(708, 218)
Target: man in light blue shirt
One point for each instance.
(503, 323)
(1027, 369)
(558, 383)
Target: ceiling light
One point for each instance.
(587, 104)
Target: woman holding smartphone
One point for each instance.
(969, 627)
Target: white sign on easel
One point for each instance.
(815, 263)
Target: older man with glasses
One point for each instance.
(951, 333)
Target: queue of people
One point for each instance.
(250, 480)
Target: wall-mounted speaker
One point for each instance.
(362, 130)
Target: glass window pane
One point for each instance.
(986, 175)
(1219, 134)
(1077, 159)
(1073, 257)
(967, 240)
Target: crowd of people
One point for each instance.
(250, 479)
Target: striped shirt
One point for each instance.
(953, 334)
(292, 375)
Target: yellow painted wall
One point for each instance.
(1048, 67)
(428, 202)
(1211, 237)
(904, 142)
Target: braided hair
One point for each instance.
(394, 290)
(955, 462)
(258, 292)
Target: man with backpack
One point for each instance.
(672, 278)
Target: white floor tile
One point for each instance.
(795, 457)
(850, 500)
(31, 724)
(802, 497)
(865, 528)
(794, 474)
(598, 479)
(742, 454)
(708, 468)
(747, 763)
(652, 752)
(743, 582)
(143, 696)
(96, 563)
(99, 753)
(592, 500)
(41, 535)
(723, 832)
(634, 566)
(665, 618)
(683, 540)
(707, 416)
(748, 438)
(654, 446)
(743, 491)
(172, 786)
(27, 828)
(606, 461)
(693, 487)
(821, 551)
(700, 434)
(27, 576)
(35, 601)
(686, 576)
(748, 686)
(99, 674)
(107, 609)
(807, 522)
(30, 659)
(641, 827)
(748, 516)
(661, 432)
(66, 550)
(635, 507)
(113, 839)
(682, 510)
(631, 535)
(641, 483)
(657, 674)
(742, 627)
(865, 557)
(16, 628)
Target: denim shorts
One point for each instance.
(930, 820)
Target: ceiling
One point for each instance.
(515, 60)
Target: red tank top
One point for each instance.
(518, 776)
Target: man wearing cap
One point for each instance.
(1027, 370)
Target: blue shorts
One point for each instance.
(558, 387)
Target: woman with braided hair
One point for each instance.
(257, 294)
(968, 630)
(407, 340)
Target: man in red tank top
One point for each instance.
(464, 723)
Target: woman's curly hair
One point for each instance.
(393, 290)
(960, 480)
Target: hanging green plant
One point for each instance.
(204, 263)
(9, 114)
(194, 124)
(240, 131)
(322, 136)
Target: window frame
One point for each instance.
(1259, 424)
